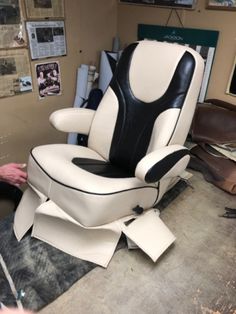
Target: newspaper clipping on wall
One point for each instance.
(46, 39)
(44, 8)
(12, 28)
(48, 78)
(15, 75)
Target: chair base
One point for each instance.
(95, 244)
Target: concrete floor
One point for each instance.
(196, 275)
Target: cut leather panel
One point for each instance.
(136, 118)
(216, 169)
(163, 166)
(213, 124)
(101, 168)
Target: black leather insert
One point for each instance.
(101, 168)
(162, 167)
(136, 118)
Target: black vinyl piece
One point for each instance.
(112, 61)
(94, 98)
(82, 139)
(11, 193)
(232, 87)
(101, 168)
(162, 167)
(93, 101)
(138, 210)
(136, 118)
(229, 213)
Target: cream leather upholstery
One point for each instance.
(79, 198)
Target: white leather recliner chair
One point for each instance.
(80, 199)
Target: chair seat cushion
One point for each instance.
(89, 198)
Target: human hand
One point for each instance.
(12, 173)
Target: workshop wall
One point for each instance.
(24, 118)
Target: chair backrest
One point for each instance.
(149, 104)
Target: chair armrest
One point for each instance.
(76, 120)
(166, 162)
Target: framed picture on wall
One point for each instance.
(12, 28)
(41, 9)
(228, 5)
(15, 72)
(46, 38)
(184, 4)
(231, 87)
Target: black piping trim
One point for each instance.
(158, 192)
(86, 192)
(174, 127)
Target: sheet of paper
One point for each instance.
(46, 39)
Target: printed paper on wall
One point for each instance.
(46, 39)
(15, 75)
(48, 79)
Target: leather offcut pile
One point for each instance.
(214, 131)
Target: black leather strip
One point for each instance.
(101, 168)
(136, 118)
(162, 167)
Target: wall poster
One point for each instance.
(48, 78)
(15, 75)
(12, 28)
(46, 39)
(203, 41)
(36, 9)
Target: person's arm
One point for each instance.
(13, 174)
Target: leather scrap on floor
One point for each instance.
(214, 131)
